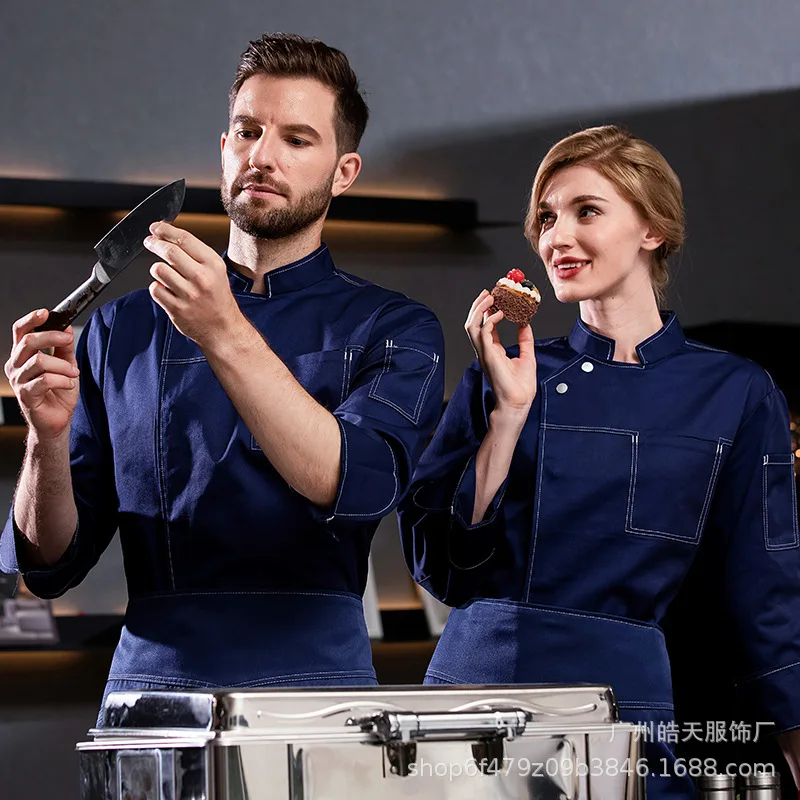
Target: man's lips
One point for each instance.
(256, 190)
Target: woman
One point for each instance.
(569, 485)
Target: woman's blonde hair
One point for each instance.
(640, 174)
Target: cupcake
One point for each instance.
(516, 297)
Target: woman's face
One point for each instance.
(594, 243)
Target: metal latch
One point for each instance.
(399, 732)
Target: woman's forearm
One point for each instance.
(494, 456)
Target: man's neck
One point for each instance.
(255, 257)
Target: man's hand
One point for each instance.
(191, 283)
(45, 385)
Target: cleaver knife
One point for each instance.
(117, 249)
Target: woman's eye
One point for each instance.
(545, 218)
(588, 211)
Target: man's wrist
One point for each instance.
(42, 444)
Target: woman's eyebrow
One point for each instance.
(581, 198)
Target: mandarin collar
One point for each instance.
(288, 278)
(661, 344)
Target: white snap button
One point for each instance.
(587, 366)
(561, 388)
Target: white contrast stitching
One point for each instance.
(194, 360)
(760, 675)
(349, 280)
(572, 613)
(788, 463)
(443, 676)
(705, 347)
(373, 392)
(705, 508)
(344, 470)
(394, 495)
(161, 450)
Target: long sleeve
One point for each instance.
(92, 479)
(393, 403)
(755, 528)
(442, 549)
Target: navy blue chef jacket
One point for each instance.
(620, 473)
(235, 579)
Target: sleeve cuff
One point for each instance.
(473, 544)
(369, 483)
(464, 500)
(44, 582)
(773, 696)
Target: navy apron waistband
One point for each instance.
(244, 639)
(498, 641)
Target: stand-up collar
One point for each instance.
(289, 278)
(661, 344)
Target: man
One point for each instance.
(245, 425)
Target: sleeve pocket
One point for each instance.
(779, 504)
(404, 379)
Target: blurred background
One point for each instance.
(466, 96)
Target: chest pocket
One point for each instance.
(672, 484)
(322, 375)
(404, 379)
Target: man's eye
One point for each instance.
(246, 134)
(297, 142)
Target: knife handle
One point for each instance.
(66, 311)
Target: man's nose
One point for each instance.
(262, 153)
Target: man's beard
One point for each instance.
(278, 223)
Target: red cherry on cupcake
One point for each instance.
(516, 275)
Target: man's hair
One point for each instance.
(640, 174)
(292, 56)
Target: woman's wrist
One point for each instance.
(508, 420)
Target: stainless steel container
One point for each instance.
(760, 786)
(716, 787)
(471, 743)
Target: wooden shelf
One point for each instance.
(94, 196)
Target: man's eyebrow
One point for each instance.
(241, 119)
(300, 127)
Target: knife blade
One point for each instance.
(117, 249)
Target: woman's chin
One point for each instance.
(569, 294)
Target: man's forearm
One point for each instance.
(301, 438)
(44, 506)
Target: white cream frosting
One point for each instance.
(518, 287)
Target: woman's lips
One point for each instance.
(571, 269)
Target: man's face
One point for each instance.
(279, 156)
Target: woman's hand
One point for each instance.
(513, 380)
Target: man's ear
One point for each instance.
(222, 139)
(347, 171)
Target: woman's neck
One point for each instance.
(628, 322)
